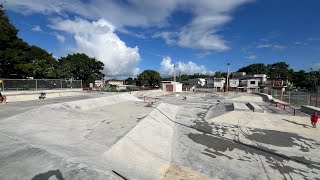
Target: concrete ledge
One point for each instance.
(309, 109)
(265, 97)
(255, 107)
(240, 107)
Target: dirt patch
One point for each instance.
(175, 172)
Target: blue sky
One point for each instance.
(130, 36)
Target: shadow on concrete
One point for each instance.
(293, 122)
(229, 107)
(49, 174)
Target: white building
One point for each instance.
(171, 86)
(249, 84)
(234, 83)
(261, 77)
(219, 83)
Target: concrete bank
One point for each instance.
(145, 152)
(265, 97)
(15, 96)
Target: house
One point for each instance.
(249, 84)
(171, 86)
(98, 83)
(197, 81)
(209, 83)
(219, 83)
(261, 77)
(233, 84)
(277, 83)
(115, 82)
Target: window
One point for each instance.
(252, 82)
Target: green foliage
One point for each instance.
(81, 67)
(258, 68)
(149, 78)
(19, 60)
(279, 69)
(129, 81)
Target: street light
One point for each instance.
(227, 85)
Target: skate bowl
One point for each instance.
(88, 135)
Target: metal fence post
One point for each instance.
(36, 85)
(2, 85)
(61, 84)
(82, 86)
(289, 97)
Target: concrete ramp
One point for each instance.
(150, 93)
(145, 152)
(97, 102)
(240, 107)
(245, 97)
(255, 107)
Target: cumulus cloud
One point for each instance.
(98, 39)
(36, 28)
(201, 32)
(167, 67)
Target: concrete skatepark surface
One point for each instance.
(104, 135)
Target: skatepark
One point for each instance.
(101, 135)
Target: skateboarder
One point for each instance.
(3, 99)
(314, 119)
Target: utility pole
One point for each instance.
(174, 74)
(227, 85)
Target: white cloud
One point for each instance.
(36, 28)
(167, 67)
(202, 32)
(204, 54)
(60, 37)
(169, 37)
(252, 57)
(98, 39)
(313, 39)
(272, 46)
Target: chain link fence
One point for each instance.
(296, 98)
(38, 84)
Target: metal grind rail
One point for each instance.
(290, 109)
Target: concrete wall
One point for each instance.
(177, 87)
(309, 109)
(34, 95)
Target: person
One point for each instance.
(90, 86)
(42, 95)
(314, 119)
(3, 99)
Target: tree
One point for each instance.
(81, 67)
(279, 69)
(258, 68)
(8, 33)
(149, 78)
(18, 59)
(129, 81)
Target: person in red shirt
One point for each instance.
(314, 119)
